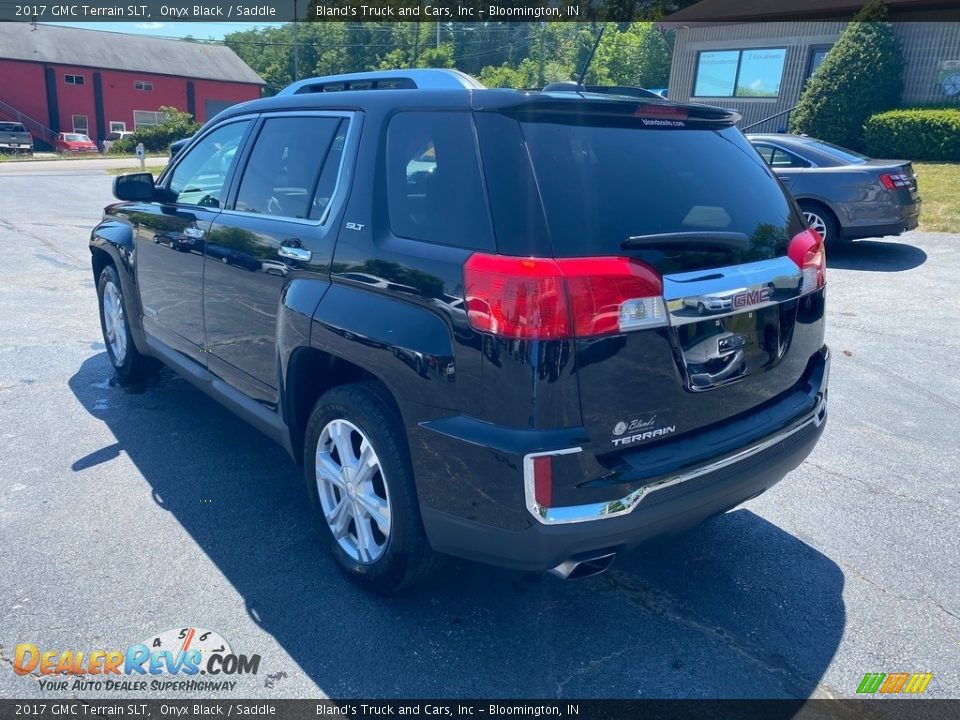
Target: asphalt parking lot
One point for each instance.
(126, 512)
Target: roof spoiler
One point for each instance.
(651, 110)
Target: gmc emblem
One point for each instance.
(751, 297)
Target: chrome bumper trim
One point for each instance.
(614, 508)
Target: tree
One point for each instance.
(637, 56)
(503, 76)
(860, 76)
(157, 138)
(502, 54)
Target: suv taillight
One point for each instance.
(546, 299)
(807, 251)
(892, 181)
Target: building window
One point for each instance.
(73, 79)
(117, 126)
(142, 85)
(80, 124)
(817, 54)
(739, 73)
(146, 118)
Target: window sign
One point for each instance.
(717, 73)
(740, 73)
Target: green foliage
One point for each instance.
(502, 54)
(914, 134)
(502, 77)
(860, 76)
(639, 56)
(157, 138)
(441, 57)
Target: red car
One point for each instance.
(74, 143)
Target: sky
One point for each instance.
(199, 30)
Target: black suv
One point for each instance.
(527, 328)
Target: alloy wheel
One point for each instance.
(114, 326)
(817, 223)
(353, 491)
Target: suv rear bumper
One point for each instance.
(665, 505)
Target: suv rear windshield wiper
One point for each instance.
(700, 239)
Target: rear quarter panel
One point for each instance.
(856, 197)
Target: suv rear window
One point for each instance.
(605, 181)
(434, 189)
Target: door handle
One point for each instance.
(192, 232)
(294, 253)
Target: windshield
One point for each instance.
(603, 184)
(72, 137)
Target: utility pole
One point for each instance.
(416, 45)
(296, 43)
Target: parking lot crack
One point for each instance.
(884, 491)
(590, 667)
(74, 262)
(902, 600)
(660, 603)
(888, 371)
(3, 658)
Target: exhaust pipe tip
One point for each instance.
(577, 568)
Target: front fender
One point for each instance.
(113, 237)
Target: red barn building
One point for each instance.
(60, 79)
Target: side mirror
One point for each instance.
(137, 187)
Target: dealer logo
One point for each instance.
(179, 653)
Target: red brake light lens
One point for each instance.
(516, 297)
(665, 112)
(891, 181)
(543, 480)
(545, 299)
(807, 252)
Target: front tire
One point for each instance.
(360, 482)
(127, 361)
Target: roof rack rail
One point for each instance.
(421, 78)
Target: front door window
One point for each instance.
(200, 176)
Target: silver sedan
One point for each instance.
(844, 195)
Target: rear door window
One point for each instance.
(434, 187)
(288, 164)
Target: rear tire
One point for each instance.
(824, 222)
(360, 481)
(127, 361)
